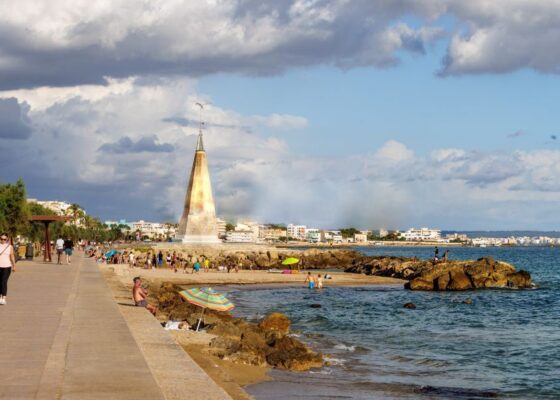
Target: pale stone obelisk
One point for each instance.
(198, 223)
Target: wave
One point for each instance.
(341, 346)
(334, 361)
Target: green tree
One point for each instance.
(229, 227)
(348, 232)
(14, 214)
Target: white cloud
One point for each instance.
(503, 35)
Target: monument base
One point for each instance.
(201, 239)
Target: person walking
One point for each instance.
(59, 246)
(7, 265)
(68, 248)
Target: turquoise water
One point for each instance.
(504, 345)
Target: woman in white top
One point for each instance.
(7, 265)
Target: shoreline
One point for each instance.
(232, 377)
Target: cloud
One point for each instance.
(503, 36)
(388, 185)
(143, 145)
(14, 120)
(86, 43)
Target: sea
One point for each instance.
(505, 345)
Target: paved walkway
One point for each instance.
(64, 337)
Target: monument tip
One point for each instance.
(199, 143)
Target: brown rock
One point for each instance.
(442, 281)
(276, 322)
(420, 284)
(458, 280)
(288, 353)
(521, 279)
(411, 306)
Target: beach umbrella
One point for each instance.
(111, 253)
(290, 261)
(206, 298)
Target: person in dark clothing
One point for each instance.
(68, 249)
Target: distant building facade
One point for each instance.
(422, 234)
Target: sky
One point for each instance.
(371, 113)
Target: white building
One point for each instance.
(272, 234)
(422, 234)
(221, 227)
(62, 208)
(360, 238)
(240, 236)
(312, 235)
(249, 226)
(153, 230)
(296, 231)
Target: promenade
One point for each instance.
(64, 336)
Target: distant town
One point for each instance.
(245, 231)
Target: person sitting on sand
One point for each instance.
(139, 294)
(310, 281)
(319, 282)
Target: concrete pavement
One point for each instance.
(64, 337)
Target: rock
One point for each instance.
(419, 284)
(484, 273)
(288, 353)
(239, 341)
(467, 301)
(276, 322)
(443, 281)
(410, 306)
(521, 279)
(458, 280)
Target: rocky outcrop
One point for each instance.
(264, 344)
(451, 275)
(484, 273)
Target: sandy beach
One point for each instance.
(242, 277)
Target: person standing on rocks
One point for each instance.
(7, 265)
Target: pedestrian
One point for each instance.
(7, 265)
(160, 259)
(68, 248)
(206, 264)
(154, 261)
(174, 261)
(59, 249)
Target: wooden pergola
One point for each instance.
(46, 220)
